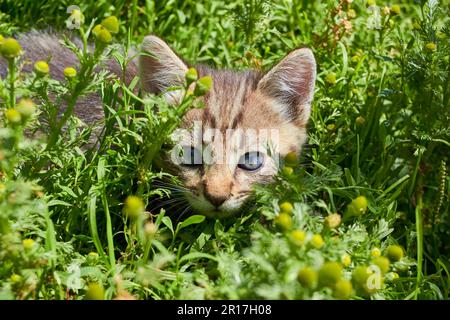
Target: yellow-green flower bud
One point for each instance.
(357, 207)
(70, 72)
(111, 24)
(382, 263)
(13, 116)
(351, 14)
(191, 75)
(28, 243)
(308, 278)
(395, 9)
(203, 85)
(134, 207)
(375, 252)
(346, 260)
(331, 78)
(15, 278)
(288, 171)
(385, 11)
(95, 291)
(333, 221)
(317, 241)
(291, 158)
(298, 237)
(41, 68)
(342, 289)
(26, 108)
(360, 121)
(431, 46)
(102, 34)
(286, 207)
(371, 2)
(283, 221)
(330, 273)
(394, 253)
(10, 48)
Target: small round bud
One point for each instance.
(28, 244)
(371, 2)
(431, 46)
(331, 78)
(382, 263)
(317, 241)
(375, 252)
(343, 289)
(70, 72)
(26, 108)
(41, 68)
(283, 221)
(394, 253)
(385, 11)
(13, 116)
(102, 34)
(10, 48)
(330, 273)
(191, 75)
(360, 120)
(360, 275)
(291, 158)
(346, 260)
(15, 278)
(134, 207)
(150, 229)
(111, 24)
(395, 9)
(331, 127)
(202, 86)
(357, 207)
(95, 291)
(286, 207)
(308, 278)
(288, 171)
(333, 221)
(351, 14)
(298, 237)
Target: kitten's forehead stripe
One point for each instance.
(226, 101)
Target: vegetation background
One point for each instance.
(366, 204)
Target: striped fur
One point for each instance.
(279, 100)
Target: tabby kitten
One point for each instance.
(278, 101)
(215, 182)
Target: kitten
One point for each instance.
(278, 101)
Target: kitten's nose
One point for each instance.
(216, 199)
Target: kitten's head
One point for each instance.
(250, 120)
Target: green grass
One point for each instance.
(378, 129)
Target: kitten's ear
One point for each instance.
(160, 68)
(291, 84)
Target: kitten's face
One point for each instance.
(250, 121)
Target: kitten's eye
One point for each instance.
(191, 156)
(251, 161)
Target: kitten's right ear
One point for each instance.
(160, 68)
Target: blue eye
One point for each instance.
(251, 161)
(191, 156)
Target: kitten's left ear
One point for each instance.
(160, 68)
(291, 84)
